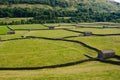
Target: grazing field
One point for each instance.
(60, 46)
(3, 30)
(27, 27)
(100, 24)
(99, 31)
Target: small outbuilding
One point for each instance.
(103, 54)
(11, 32)
(105, 26)
(87, 33)
(81, 26)
(51, 27)
(59, 25)
(22, 36)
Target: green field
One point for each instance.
(99, 24)
(27, 26)
(48, 48)
(3, 30)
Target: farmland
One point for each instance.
(3, 29)
(51, 47)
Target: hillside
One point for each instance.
(59, 11)
(97, 5)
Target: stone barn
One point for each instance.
(81, 26)
(105, 26)
(51, 27)
(59, 25)
(22, 36)
(11, 32)
(103, 54)
(87, 33)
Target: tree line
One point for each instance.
(52, 3)
(58, 15)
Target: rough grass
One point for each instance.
(13, 19)
(27, 6)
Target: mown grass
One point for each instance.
(100, 31)
(40, 52)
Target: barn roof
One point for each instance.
(107, 51)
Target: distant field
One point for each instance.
(28, 26)
(12, 19)
(100, 31)
(27, 6)
(45, 50)
(99, 24)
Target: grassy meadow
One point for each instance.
(3, 30)
(35, 52)
(28, 27)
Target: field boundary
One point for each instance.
(61, 65)
(63, 39)
(93, 34)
